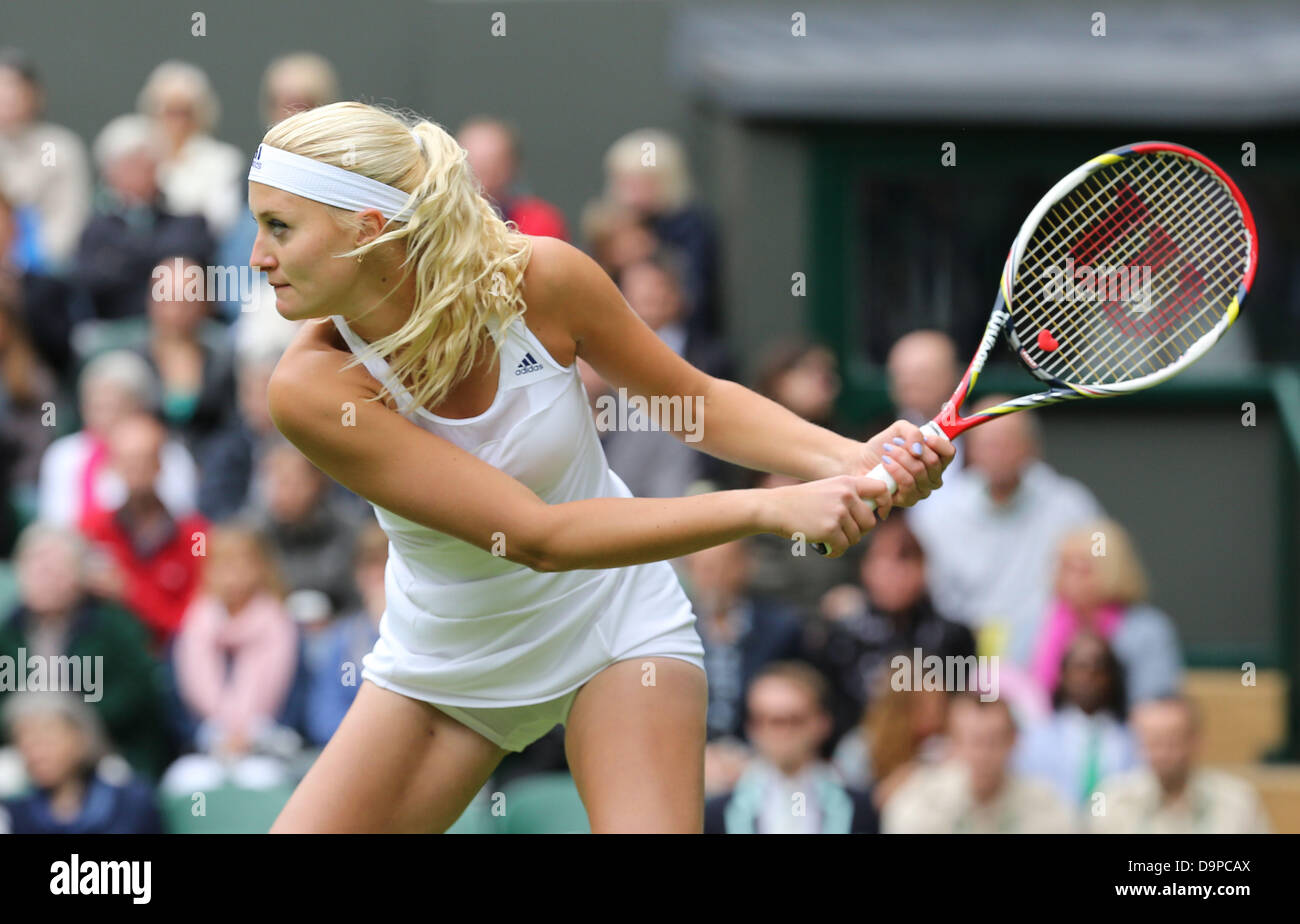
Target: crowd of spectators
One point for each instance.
(157, 533)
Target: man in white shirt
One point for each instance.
(976, 792)
(991, 537)
(1171, 795)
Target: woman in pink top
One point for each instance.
(237, 649)
(1101, 588)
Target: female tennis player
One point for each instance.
(525, 585)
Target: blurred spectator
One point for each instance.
(657, 462)
(235, 661)
(291, 83)
(787, 788)
(193, 365)
(975, 792)
(72, 792)
(75, 478)
(1172, 794)
(147, 556)
(43, 170)
(132, 229)
(198, 175)
(1085, 740)
(923, 372)
(802, 378)
(616, 235)
(296, 82)
(234, 454)
(1100, 588)
(862, 626)
(725, 760)
(39, 302)
(336, 675)
(306, 524)
(742, 633)
(56, 618)
(901, 731)
(28, 391)
(647, 171)
(189, 355)
(492, 149)
(991, 538)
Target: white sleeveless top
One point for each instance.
(468, 628)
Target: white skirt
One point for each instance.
(525, 637)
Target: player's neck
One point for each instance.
(391, 299)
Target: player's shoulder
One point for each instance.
(557, 269)
(561, 285)
(312, 368)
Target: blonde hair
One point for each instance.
(469, 264)
(627, 155)
(1120, 571)
(192, 80)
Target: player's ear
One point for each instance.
(371, 225)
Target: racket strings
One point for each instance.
(1103, 230)
(1176, 299)
(1160, 247)
(1165, 212)
(1188, 287)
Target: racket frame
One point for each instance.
(952, 423)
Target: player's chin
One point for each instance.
(291, 306)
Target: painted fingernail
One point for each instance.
(900, 441)
(888, 460)
(887, 448)
(916, 448)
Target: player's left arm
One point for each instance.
(726, 420)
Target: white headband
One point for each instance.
(321, 182)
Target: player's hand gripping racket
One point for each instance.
(1123, 275)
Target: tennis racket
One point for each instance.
(1126, 272)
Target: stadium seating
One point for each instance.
(228, 810)
(1241, 724)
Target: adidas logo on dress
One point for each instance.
(527, 365)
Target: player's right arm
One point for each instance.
(324, 410)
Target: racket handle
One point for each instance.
(881, 474)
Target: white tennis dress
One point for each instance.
(470, 631)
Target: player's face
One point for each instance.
(298, 246)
